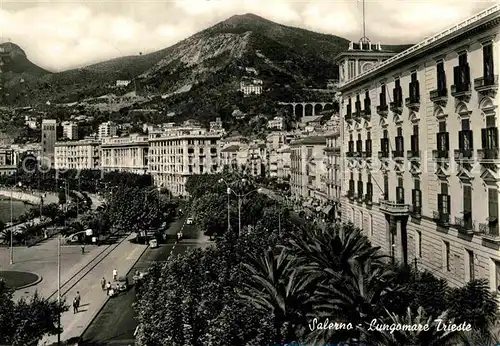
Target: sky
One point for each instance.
(59, 34)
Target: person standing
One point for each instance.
(103, 284)
(75, 306)
(83, 249)
(78, 298)
(115, 274)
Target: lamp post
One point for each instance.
(59, 288)
(240, 201)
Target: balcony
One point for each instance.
(488, 155)
(413, 154)
(368, 199)
(360, 197)
(486, 86)
(394, 208)
(382, 110)
(464, 224)
(398, 154)
(348, 118)
(463, 155)
(439, 96)
(412, 103)
(440, 154)
(367, 155)
(396, 107)
(416, 212)
(366, 113)
(489, 232)
(442, 219)
(383, 154)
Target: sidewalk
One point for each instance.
(123, 258)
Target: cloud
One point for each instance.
(59, 35)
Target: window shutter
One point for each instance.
(382, 145)
(447, 141)
(484, 139)
(456, 75)
(413, 197)
(440, 203)
(467, 74)
(419, 198)
(471, 140)
(461, 140)
(438, 141)
(494, 143)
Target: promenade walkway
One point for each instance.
(123, 257)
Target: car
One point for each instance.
(153, 243)
(189, 221)
(120, 285)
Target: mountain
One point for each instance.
(17, 62)
(199, 77)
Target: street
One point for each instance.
(115, 323)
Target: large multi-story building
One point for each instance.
(84, 154)
(333, 170)
(107, 129)
(257, 159)
(125, 154)
(49, 137)
(70, 130)
(178, 152)
(307, 168)
(277, 123)
(284, 162)
(251, 86)
(234, 156)
(7, 163)
(438, 205)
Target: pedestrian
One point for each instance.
(115, 274)
(83, 249)
(108, 286)
(75, 306)
(103, 284)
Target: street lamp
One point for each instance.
(240, 200)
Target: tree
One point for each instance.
(25, 322)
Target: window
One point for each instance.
(447, 255)
(489, 135)
(399, 141)
(497, 276)
(470, 258)
(360, 185)
(443, 140)
(414, 139)
(370, 225)
(418, 244)
(359, 144)
(444, 200)
(383, 96)
(367, 102)
(488, 64)
(467, 190)
(368, 144)
(493, 211)
(441, 76)
(386, 187)
(416, 196)
(414, 76)
(400, 192)
(465, 138)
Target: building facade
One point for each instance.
(179, 152)
(7, 162)
(284, 162)
(84, 154)
(70, 130)
(333, 171)
(49, 138)
(420, 137)
(251, 87)
(125, 154)
(107, 129)
(277, 123)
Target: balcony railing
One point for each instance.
(461, 154)
(398, 154)
(383, 110)
(464, 224)
(487, 154)
(394, 208)
(396, 107)
(366, 113)
(383, 154)
(415, 211)
(486, 85)
(489, 232)
(413, 154)
(367, 155)
(440, 154)
(412, 103)
(441, 219)
(368, 199)
(439, 95)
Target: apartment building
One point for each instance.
(234, 156)
(107, 129)
(277, 123)
(84, 154)
(125, 154)
(333, 171)
(70, 130)
(49, 138)
(7, 164)
(20, 150)
(438, 205)
(284, 162)
(251, 86)
(306, 170)
(257, 159)
(178, 152)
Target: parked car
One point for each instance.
(189, 221)
(120, 285)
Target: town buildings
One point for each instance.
(125, 154)
(49, 137)
(7, 163)
(70, 130)
(277, 123)
(333, 170)
(84, 154)
(420, 137)
(178, 152)
(107, 129)
(251, 86)
(122, 83)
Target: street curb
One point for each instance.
(31, 284)
(106, 301)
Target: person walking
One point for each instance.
(103, 284)
(83, 249)
(115, 274)
(78, 298)
(108, 286)
(75, 306)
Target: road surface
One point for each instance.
(115, 323)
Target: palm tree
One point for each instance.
(271, 283)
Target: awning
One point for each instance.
(327, 209)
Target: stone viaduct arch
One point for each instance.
(302, 109)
